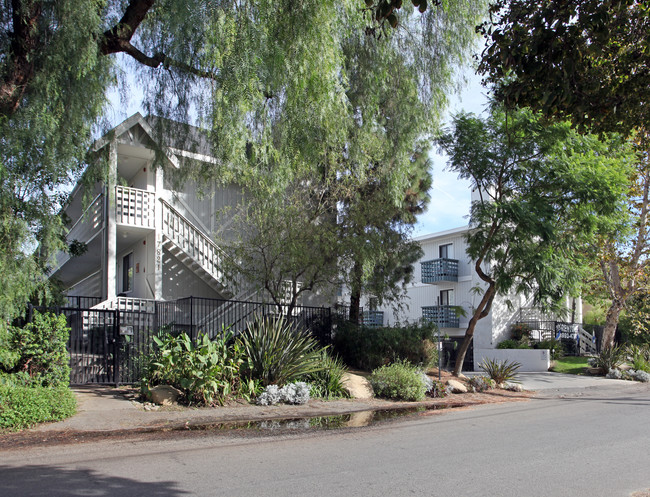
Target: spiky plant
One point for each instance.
(500, 371)
(278, 353)
(328, 382)
(610, 358)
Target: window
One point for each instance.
(446, 251)
(446, 297)
(127, 272)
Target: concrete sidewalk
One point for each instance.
(103, 408)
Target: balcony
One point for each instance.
(439, 270)
(135, 207)
(373, 319)
(444, 316)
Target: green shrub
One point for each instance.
(277, 353)
(555, 346)
(500, 371)
(640, 357)
(38, 349)
(206, 371)
(22, 407)
(327, 383)
(398, 381)
(511, 343)
(369, 348)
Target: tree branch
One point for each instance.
(118, 40)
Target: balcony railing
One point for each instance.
(135, 207)
(373, 319)
(439, 270)
(444, 316)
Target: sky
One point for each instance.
(450, 196)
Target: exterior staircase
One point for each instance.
(196, 251)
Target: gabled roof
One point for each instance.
(136, 120)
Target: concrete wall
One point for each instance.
(531, 360)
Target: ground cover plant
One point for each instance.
(570, 365)
(25, 406)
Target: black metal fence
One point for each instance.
(111, 346)
(575, 340)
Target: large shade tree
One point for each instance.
(587, 61)
(544, 191)
(267, 78)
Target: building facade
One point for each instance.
(446, 289)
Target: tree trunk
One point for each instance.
(481, 311)
(611, 322)
(355, 292)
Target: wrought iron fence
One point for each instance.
(111, 345)
(574, 339)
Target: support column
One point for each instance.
(158, 248)
(109, 263)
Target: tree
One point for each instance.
(544, 190)
(378, 254)
(283, 241)
(621, 252)
(373, 177)
(586, 61)
(265, 77)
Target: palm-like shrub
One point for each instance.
(610, 358)
(500, 371)
(277, 353)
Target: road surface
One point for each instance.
(593, 444)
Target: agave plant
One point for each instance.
(500, 371)
(278, 353)
(610, 358)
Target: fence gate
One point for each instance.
(94, 345)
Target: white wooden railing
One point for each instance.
(135, 207)
(196, 244)
(129, 304)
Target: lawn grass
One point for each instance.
(570, 365)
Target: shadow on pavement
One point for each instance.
(53, 481)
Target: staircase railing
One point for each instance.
(197, 245)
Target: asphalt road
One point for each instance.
(592, 444)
